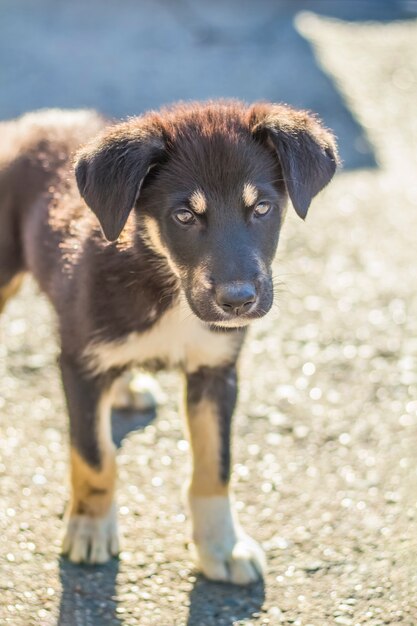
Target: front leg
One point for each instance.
(225, 552)
(91, 531)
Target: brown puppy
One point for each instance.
(191, 201)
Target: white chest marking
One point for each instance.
(178, 338)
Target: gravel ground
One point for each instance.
(326, 429)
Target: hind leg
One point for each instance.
(9, 289)
(11, 261)
(135, 391)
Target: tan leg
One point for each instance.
(224, 551)
(92, 490)
(91, 527)
(91, 524)
(10, 290)
(204, 425)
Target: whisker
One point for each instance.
(187, 317)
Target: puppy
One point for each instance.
(186, 210)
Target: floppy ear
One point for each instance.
(306, 150)
(110, 171)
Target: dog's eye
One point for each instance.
(184, 216)
(262, 208)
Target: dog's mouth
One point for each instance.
(230, 324)
(216, 319)
(238, 321)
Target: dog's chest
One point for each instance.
(179, 338)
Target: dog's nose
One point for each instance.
(235, 297)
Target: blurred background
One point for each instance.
(326, 428)
(127, 57)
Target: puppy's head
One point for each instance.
(208, 185)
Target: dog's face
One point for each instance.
(214, 209)
(209, 184)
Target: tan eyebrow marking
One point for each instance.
(250, 194)
(198, 201)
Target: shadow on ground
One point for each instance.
(88, 594)
(211, 602)
(124, 422)
(89, 597)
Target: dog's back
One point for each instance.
(35, 157)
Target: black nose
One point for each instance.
(235, 297)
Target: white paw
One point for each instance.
(241, 564)
(135, 391)
(225, 552)
(91, 539)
